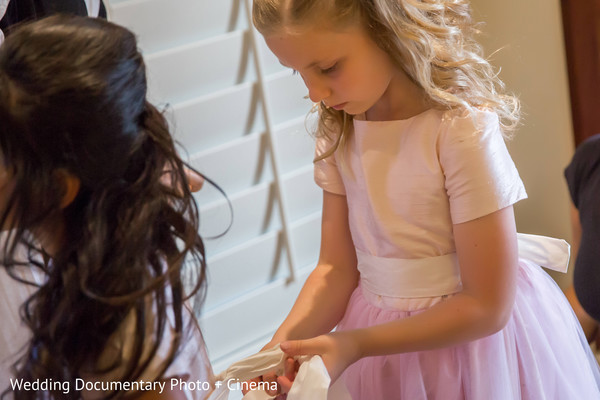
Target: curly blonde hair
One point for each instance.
(432, 41)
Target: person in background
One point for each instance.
(16, 11)
(583, 180)
(94, 243)
(13, 12)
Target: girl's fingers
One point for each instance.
(301, 347)
(270, 378)
(287, 380)
(255, 380)
(285, 384)
(291, 368)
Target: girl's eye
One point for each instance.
(329, 70)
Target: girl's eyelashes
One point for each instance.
(330, 70)
(324, 71)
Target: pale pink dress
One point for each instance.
(407, 182)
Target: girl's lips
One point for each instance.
(339, 106)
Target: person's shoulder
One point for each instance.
(478, 116)
(589, 147)
(469, 123)
(587, 156)
(583, 167)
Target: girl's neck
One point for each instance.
(402, 99)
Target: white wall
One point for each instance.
(532, 57)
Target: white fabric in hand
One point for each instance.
(311, 382)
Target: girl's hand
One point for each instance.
(284, 381)
(338, 351)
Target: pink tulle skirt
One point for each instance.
(541, 354)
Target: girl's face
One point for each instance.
(345, 69)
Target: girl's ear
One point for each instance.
(70, 185)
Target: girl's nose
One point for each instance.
(317, 94)
(317, 91)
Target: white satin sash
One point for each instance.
(439, 276)
(311, 382)
(545, 251)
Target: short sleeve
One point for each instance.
(582, 166)
(327, 174)
(480, 175)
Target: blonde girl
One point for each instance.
(420, 268)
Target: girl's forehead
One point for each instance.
(297, 48)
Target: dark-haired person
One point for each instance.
(583, 179)
(93, 243)
(13, 12)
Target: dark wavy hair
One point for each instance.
(73, 98)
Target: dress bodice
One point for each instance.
(408, 181)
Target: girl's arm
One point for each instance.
(323, 299)
(325, 294)
(487, 254)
